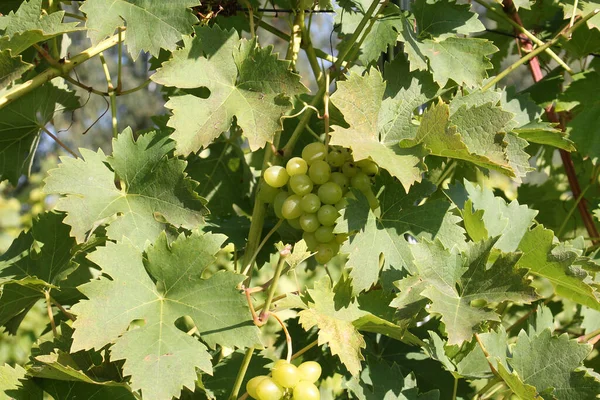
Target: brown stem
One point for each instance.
(552, 115)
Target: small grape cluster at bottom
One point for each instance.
(287, 382)
(310, 191)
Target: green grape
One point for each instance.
(330, 193)
(276, 176)
(296, 166)
(343, 203)
(327, 215)
(278, 203)
(309, 222)
(335, 246)
(295, 223)
(285, 374)
(319, 172)
(310, 240)
(310, 371)
(267, 389)
(313, 152)
(324, 234)
(361, 182)
(291, 207)
(341, 180)
(324, 253)
(349, 169)
(310, 203)
(267, 193)
(306, 391)
(301, 184)
(368, 167)
(335, 158)
(252, 384)
(347, 153)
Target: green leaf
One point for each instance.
(443, 19)
(360, 99)
(583, 42)
(245, 81)
(15, 385)
(160, 358)
(11, 67)
(516, 385)
(584, 7)
(151, 24)
(65, 390)
(153, 190)
(20, 123)
(384, 233)
(555, 263)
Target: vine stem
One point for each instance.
(486, 354)
(305, 349)
(264, 314)
(355, 35)
(589, 336)
(111, 95)
(572, 210)
(260, 246)
(50, 313)
(62, 309)
(241, 373)
(106, 94)
(58, 141)
(19, 91)
(552, 115)
(288, 338)
(120, 61)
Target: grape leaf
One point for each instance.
(514, 382)
(384, 233)
(583, 42)
(360, 99)
(443, 19)
(555, 263)
(245, 81)
(11, 67)
(584, 7)
(28, 25)
(151, 24)
(15, 385)
(552, 364)
(160, 358)
(66, 390)
(153, 190)
(20, 123)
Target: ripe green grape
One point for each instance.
(346, 152)
(343, 203)
(291, 207)
(252, 384)
(306, 391)
(368, 167)
(313, 152)
(310, 240)
(310, 371)
(319, 172)
(324, 253)
(335, 158)
(335, 246)
(294, 223)
(349, 169)
(276, 176)
(285, 374)
(324, 234)
(267, 193)
(267, 389)
(310, 203)
(361, 182)
(340, 179)
(301, 184)
(309, 222)
(330, 193)
(278, 203)
(296, 166)
(327, 215)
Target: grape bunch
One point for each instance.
(310, 191)
(287, 382)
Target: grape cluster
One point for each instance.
(287, 382)
(310, 191)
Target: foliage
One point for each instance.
(456, 213)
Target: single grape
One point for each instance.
(310, 371)
(347, 153)
(330, 193)
(324, 234)
(301, 184)
(279, 362)
(276, 176)
(267, 193)
(343, 203)
(327, 215)
(296, 166)
(319, 172)
(324, 253)
(310, 203)
(291, 207)
(361, 182)
(294, 223)
(306, 391)
(309, 222)
(335, 158)
(368, 167)
(310, 240)
(286, 375)
(335, 246)
(252, 384)
(341, 180)
(267, 389)
(278, 203)
(313, 152)
(349, 169)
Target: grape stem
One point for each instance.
(264, 314)
(288, 338)
(111, 92)
(241, 373)
(260, 246)
(50, 313)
